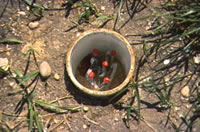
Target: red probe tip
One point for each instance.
(113, 53)
(105, 63)
(106, 80)
(95, 51)
(91, 75)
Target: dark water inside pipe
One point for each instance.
(119, 76)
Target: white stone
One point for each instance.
(147, 28)
(102, 8)
(11, 84)
(84, 126)
(116, 119)
(22, 13)
(196, 59)
(166, 62)
(56, 76)
(45, 69)
(33, 25)
(4, 63)
(180, 39)
(27, 8)
(185, 91)
(188, 106)
(85, 109)
(78, 34)
(180, 115)
(176, 108)
(147, 79)
(14, 75)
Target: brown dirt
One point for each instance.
(51, 42)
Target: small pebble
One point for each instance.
(188, 106)
(196, 59)
(22, 13)
(180, 115)
(184, 99)
(78, 34)
(85, 109)
(147, 79)
(28, 8)
(4, 63)
(176, 108)
(116, 119)
(185, 91)
(33, 25)
(56, 76)
(11, 84)
(147, 28)
(14, 75)
(8, 53)
(56, 121)
(166, 62)
(84, 126)
(102, 8)
(180, 39)
(45, 69)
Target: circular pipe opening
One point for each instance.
(102, 40)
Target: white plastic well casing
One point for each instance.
(102, 40)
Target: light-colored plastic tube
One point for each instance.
(102, 40)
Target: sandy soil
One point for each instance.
(51, 42)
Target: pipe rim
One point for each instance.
(95, 92)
